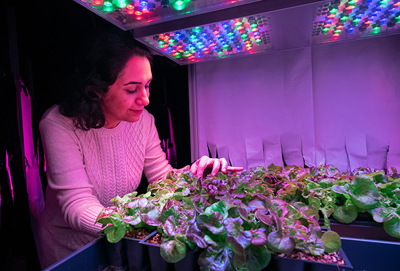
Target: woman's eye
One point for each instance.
(131, 91)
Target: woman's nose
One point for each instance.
(143, 97)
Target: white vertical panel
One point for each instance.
(335, 152)
(356, 146)
(272, 151)
(194, 136)
(377, 149)
(291, 149)
(254, 152)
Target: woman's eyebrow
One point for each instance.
(132, 83)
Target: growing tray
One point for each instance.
(278, 263)
(157, 263)
(137, 255)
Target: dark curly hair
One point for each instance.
(99, 66)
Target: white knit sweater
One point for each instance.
(85, 169)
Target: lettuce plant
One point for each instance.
(240, 219)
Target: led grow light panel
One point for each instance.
(130, 14)
(240, 36)
(353, 19)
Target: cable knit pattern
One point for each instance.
(85, 170)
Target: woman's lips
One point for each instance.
(137, 111)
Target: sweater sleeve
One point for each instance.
(156, 166)
(66, 174)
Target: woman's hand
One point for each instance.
(215, 164)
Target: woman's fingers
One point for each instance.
(234, 168)
(216, 164)
(224, 165)
(213, 164)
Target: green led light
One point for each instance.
(244, 36)
(108, 9)
(120, 3)
(356, 20)
(161, 42)
(107, 4)
(352, 2)
(197, 29)
(344, 18)
(230, 34)
(258, 40)
(333, 11)
(225, 46)
(179, 2)
(238, 23)
(179, 6)
(253, 25)
(337, 31)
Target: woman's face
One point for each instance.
(129, 94)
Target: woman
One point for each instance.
(97, 144)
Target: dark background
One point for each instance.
(49, 35)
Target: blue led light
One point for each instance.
(143, 3)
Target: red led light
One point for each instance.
(215, 32)
(368, 22)
(138, 11)
(97, 2)
(340, 26)
(130, 6)
(331, 16)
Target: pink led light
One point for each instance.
(9, 176)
